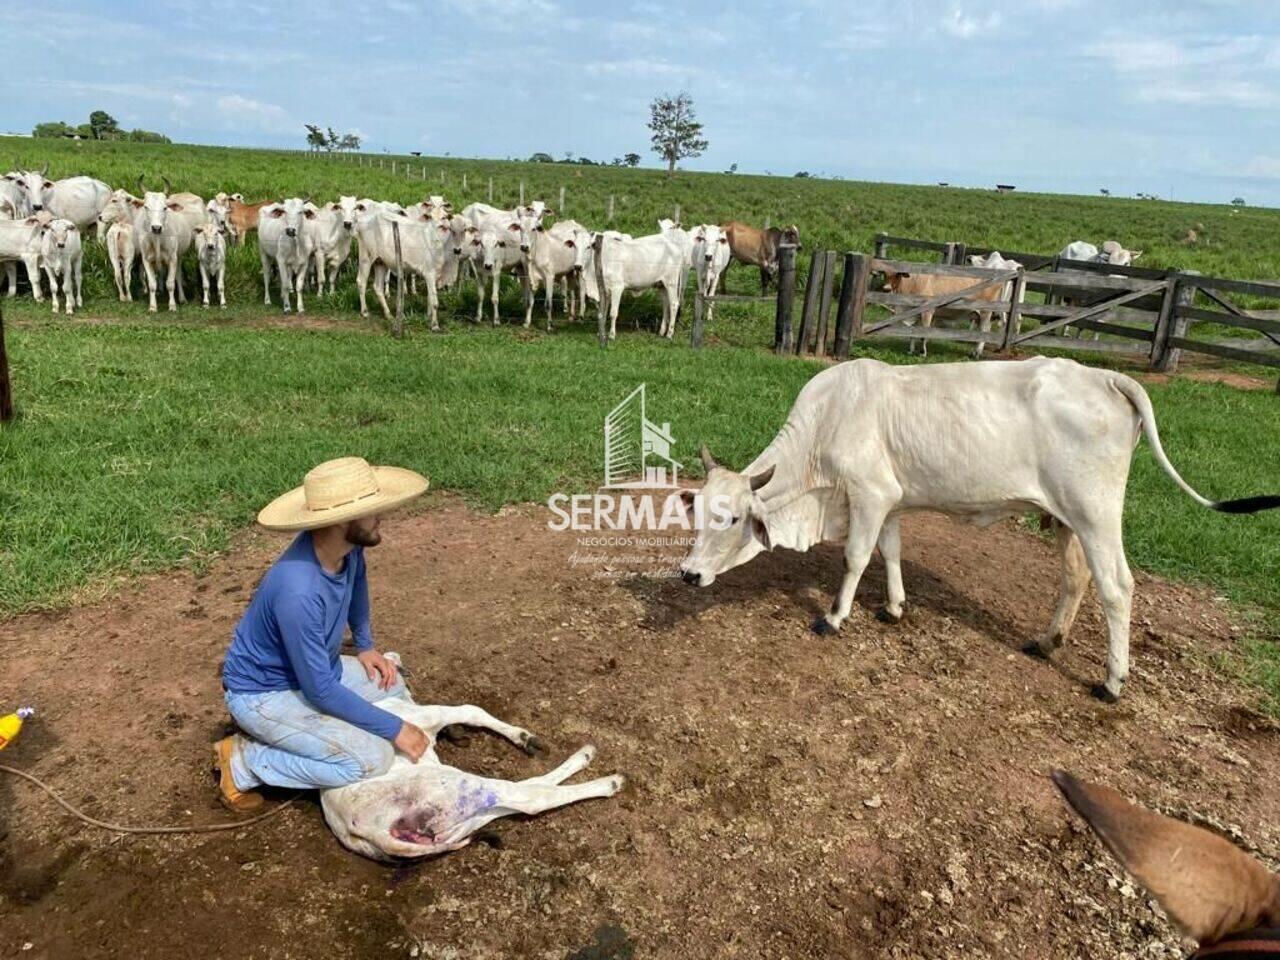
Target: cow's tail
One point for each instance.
(1142, 403)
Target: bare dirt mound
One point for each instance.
(877, 794)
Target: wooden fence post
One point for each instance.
(824, 308)
(809, 316)
(560, 209)
(854, 267)
(786, 294)
(6, 391)
(961, 254)
(695, 332)
(491, 189)
(464, 183)
(609, 217)
(948, 253)
(522, 193)
(1013, 319)
(393, 168)
(602, 322)
(881, 247)
(398, 329)
(1179, 293)
(766, 221)
(676, 218)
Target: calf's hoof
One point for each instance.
(823, 627)
(1100, 692)
(532, 745)
(616, 783)
(885, 615)
(1032, 648)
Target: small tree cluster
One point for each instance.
(101, 126)
(326, 139)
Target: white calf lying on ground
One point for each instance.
(425, 808)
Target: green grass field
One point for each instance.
(143, 442)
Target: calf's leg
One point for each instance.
(1075, 580)
(890, 545)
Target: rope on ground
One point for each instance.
(120, 828)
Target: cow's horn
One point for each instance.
(708, 461)
(760, 479)
(142, 187)
(168, 187)
(44, 171)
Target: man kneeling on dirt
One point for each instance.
(309, 714)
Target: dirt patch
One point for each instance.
(1231, 378)
(877, 794)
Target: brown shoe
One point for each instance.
(234, 799)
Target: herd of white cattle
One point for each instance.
(42, 223)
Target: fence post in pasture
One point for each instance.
(1013, 319)
(844, 306)
(961, 254)
(602, 323)
(522, 193)
(6, 392)
(464, 183)
(609, 217)
(824, 308)
(948, 253)
(786, 294)
(881, 247)
(398, 329)
(393, 168)
(766, 221)
(695, 332)
(1179, 293)
(809, 315)
(560, 209)
(491, 189)
(676, 218)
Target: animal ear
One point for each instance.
(48, 184)
(1208, 886)
(309, 213)
(760, 531)
(332, 206)
(136, 202)
(1134, 255)
(687, 497)
(570, 244)
(514, 227)
(173, 205)
(277, 212)
(760, 479)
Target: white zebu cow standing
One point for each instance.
(710, 259)
(163, 229)
(13, 199)
(654, 261)
(20, 243)
(1111, 253)
(78, 199)
(421, 254)
(333, 231)
(503, 241)
(866, 442)
(63, 258)
(211, 254)
(426, 808)
(994, 261)
(122, 250)
(285, 240)
(554, 252)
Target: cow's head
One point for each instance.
(155, 208)
(1117, 255)
(57, 233)
(33, 185)
(462, 237)
(732, 525)
(208, 239)
(346, 207)
(1209, 887)
(293, 211)
(893, 279)
(216, 211)
(528, 221)
(791, 234)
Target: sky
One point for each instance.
(1177, 98)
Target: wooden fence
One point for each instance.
(1136, 311)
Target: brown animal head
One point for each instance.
(1214, 891)
(893, 280)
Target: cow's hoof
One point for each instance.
(885, 616)
(1032, 648)
(532, 745)
(617, 782)
(823, 628)
(490, 838)
(1100, 692)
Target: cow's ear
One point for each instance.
(1134, 255)
(760, 530)
(1207, 885)
(540, 229)
(136, 202)
(174, 205)
(48, 184)
(687, 497)
(515, 227)
(570, 244)
(333, 206)
(309, 214)
(277, 212)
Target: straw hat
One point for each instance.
(341, 490)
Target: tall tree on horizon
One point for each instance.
(676, 131)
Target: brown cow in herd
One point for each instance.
(242, 217)
(756, 247)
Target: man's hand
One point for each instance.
(411, 741)
(381, 671)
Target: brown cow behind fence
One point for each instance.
(758, 248)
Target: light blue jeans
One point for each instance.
(291, 744)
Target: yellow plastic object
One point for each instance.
(10, 725)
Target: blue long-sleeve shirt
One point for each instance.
(289, 637)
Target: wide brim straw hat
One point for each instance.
(341, 490)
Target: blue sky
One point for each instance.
(1062, 95)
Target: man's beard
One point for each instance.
(361, 537)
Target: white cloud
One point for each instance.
(962, 25)
(244, 111)
(1223, 70)
(634, 68)
(1262, 168)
